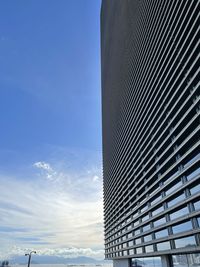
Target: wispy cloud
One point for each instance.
(57, 210)
(47, 170)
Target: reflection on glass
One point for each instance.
(149, 249)
(130, 243)
(180, 260)
(193, 174)
(185, 242)
(193, 260)
(129, 227)
(145, 218)
(198, 219)
(146, 262)
(139, 250)
(144, 208)
(155, 200)
(195, 189)
(161, 233)
(173, 187)
(138, 241)
(186, 260)
(176, 200)
(163, 246)
(159, 222)
(186, 226)
(136, 223)
(192, 160)
(155, 212)
(129, 235)
(137, 263)
(197, 205)
(147, 238)
(131, 251)
(137, 232)
(146, 227)
(179, 213)
(125, 253)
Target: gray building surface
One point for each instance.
(151, 131)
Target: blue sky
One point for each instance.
(50, 116)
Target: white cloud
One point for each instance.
(67, 213)
(43, 165)
(49, 172)
(95, 178)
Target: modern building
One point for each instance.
(151, 131)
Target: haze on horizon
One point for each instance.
(50, 115)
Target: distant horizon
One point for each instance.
(45, 259)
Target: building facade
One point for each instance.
(151, 131)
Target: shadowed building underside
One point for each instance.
(151, 131)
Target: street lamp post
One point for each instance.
(29, 257)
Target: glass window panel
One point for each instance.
(130, 235)
(198, 219)
(137, 232)
(157, 211)
(146, 262)
(163, 246)
(123, 238)
(193, 174)
(149, 249)
(135, 214)
(138, 241)
(197, 205)
(173, 187)
(130, 243)
(129, 227)
(124, 245)
(139, 250)
(144, 208)
(137, 263)
(131, 251)
(147, 238)
(172, 175)
(180, 260)
(146, 227)
(161, 233)
(159, 222)
(192, 160)
(152, 262)
(136, 223)
(193, 260)
(195, 189)
(185, 242)
(157, 262)
(128, 220)
(179, 213)
(186, 226)
(176, 200)
(155, 200)
(125, 253)
(145, 218)
(154, 190)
